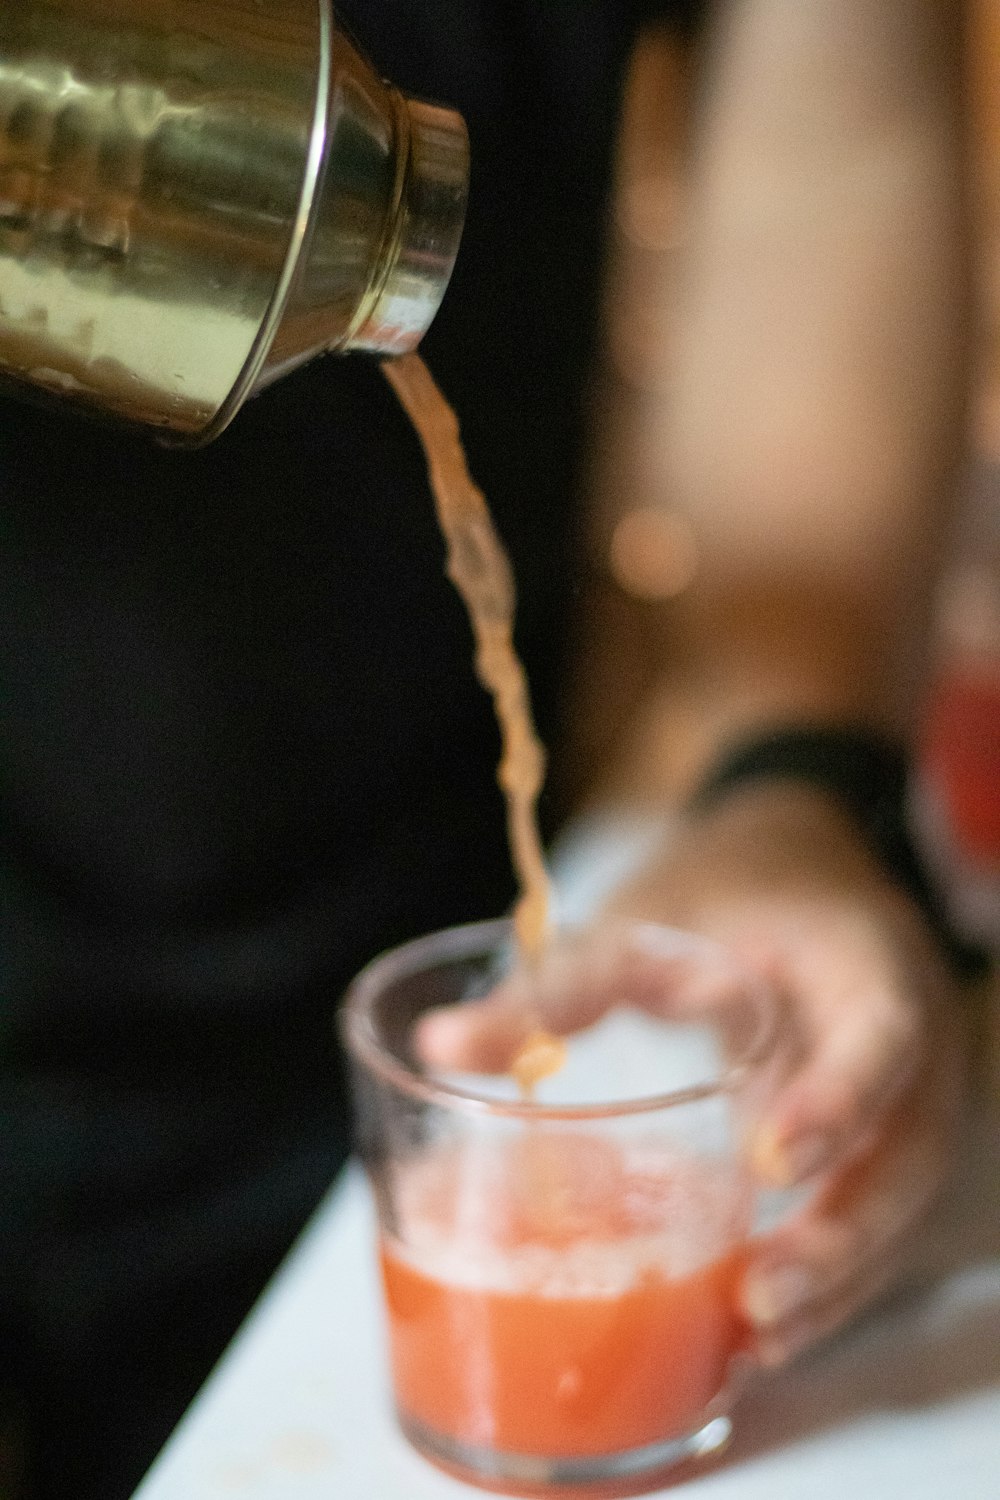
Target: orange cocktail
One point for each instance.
(560, 1375)
(574, 1304)
(561, 1276)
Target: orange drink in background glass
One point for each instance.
(561, 1274)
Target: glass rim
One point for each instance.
(470, 939)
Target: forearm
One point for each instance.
(811, 432)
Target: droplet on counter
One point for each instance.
(237, 1476)
(303, 1452)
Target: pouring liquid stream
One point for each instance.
(479, 567)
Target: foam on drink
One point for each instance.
(469, 1215)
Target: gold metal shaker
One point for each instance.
(197, 196)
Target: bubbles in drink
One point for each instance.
(474, 1214)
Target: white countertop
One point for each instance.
(904, 1406)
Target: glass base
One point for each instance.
(618, 1472)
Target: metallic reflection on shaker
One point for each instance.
(198, 196)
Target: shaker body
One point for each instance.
(198, 195)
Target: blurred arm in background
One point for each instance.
(815, 412)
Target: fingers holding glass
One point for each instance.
(588, 973)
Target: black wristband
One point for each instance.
(868, 774)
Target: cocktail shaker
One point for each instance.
(197, 196)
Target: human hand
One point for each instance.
(869, 1101)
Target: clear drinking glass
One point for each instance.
(561, 1273)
